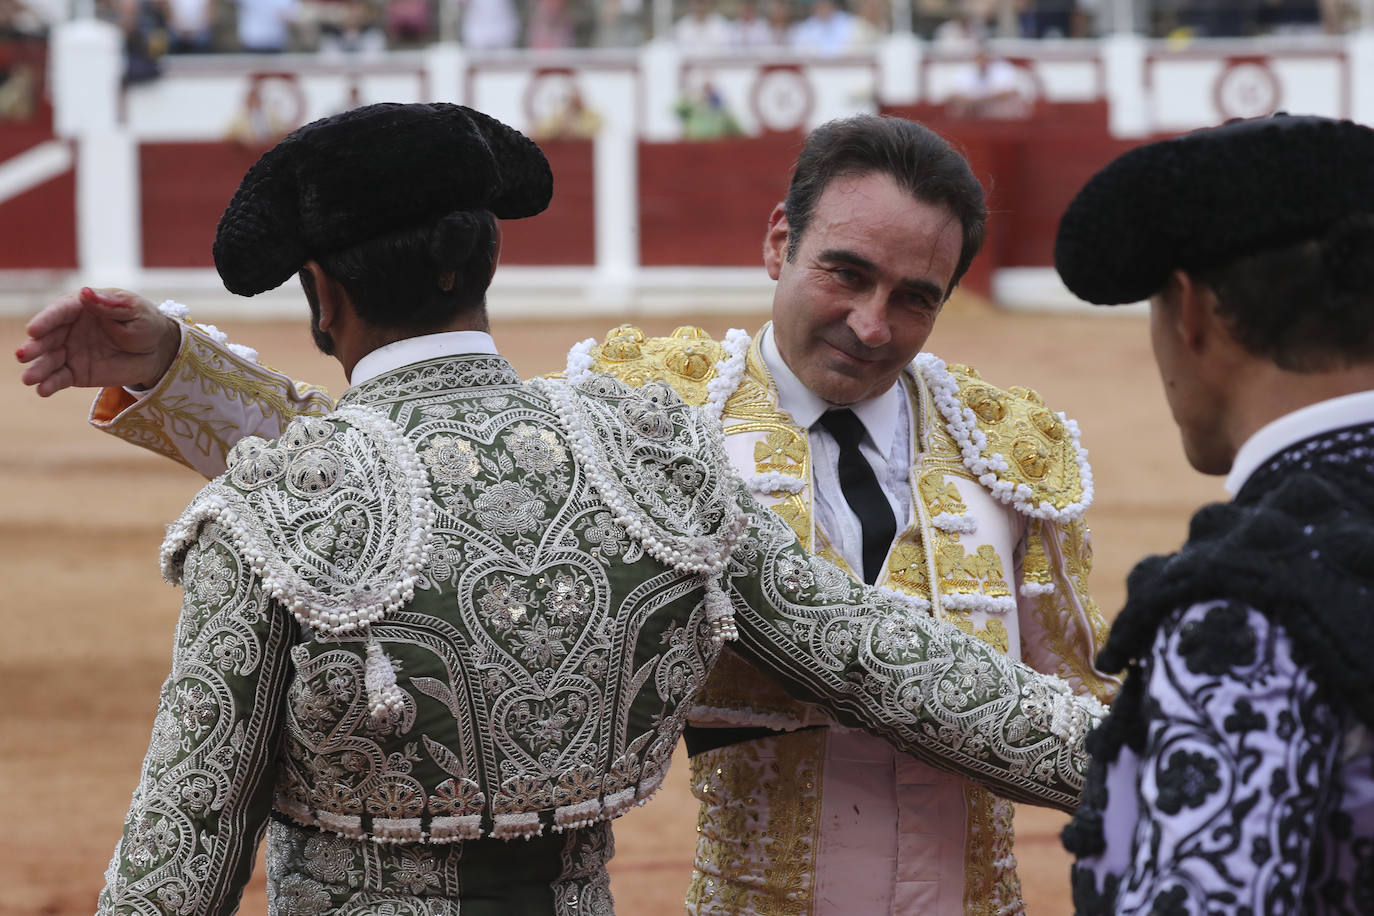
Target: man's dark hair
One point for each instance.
(1309, 306)
(919, 160)
(421, 278)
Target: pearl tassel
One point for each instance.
(720, 613)
(379, 675)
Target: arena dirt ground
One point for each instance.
(87, 622)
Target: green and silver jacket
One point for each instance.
(463, 607)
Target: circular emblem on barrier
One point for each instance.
(782, 98)
(275, 105)
(1247, 88)
(550, 93)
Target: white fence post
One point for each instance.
(87, 67)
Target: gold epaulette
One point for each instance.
(686, 359)
(1041, 450)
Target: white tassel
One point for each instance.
(720, 612)
(379, 675)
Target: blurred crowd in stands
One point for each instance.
(154, 28)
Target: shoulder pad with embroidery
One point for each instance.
(660, 465)
(334, 516)
(686, 359)
(1028, 456)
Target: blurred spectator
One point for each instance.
(409, 23)
(988, 88)
(703, 28)
(870, 24)
(17, 21)
(144, 25)
(1049, 19)
(779, 15)
(189, 26)
(966, 30)
(21, 60)
(827, 32)
(705, 116)
(754, 31)
(551, 25)
(265, 25)
(572, 120)
(490, 25)
(619, 24)
(356, 32)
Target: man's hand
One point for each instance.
(98, 337)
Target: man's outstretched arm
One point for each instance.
(202, 394)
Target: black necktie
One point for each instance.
(861, 490)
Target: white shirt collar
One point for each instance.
(879, 414)
(1292, 428)
(417, 350)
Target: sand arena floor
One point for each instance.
(87, 621)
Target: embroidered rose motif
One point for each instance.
(451, 460)
(570, 600)
(521, 793)
(395, 800)
(606, 538)
(578, 784)
(509, 508)
(297, 895)
(794, 575)
(541, 644)
(197, 794)
(1220, 641)
(149, 840)
(327, 858)
(505, 605)
(1186, 781)
(456, 798)
(417, 871)
(689, 477)
(536, 450)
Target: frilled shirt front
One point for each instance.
(464, 607)
(1236, 774)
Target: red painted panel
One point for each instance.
(565, 233)
(707, 203)
(1031, 169)
(185, 188)
(38, 227)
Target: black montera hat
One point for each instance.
(345, 179)
(1206, 198)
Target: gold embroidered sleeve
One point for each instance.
(205, 792)
(209, 399)
(1062, 628)
(879, 662)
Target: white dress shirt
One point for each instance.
(419, 349)
(1292, 428)
(887, 448)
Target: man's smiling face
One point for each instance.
(860, 295)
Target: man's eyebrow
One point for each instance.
(845, 256)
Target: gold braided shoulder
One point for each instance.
(1040, 447)
(686, 359)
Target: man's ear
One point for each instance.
(328, 294)
(1195, 311)
(775, 241)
